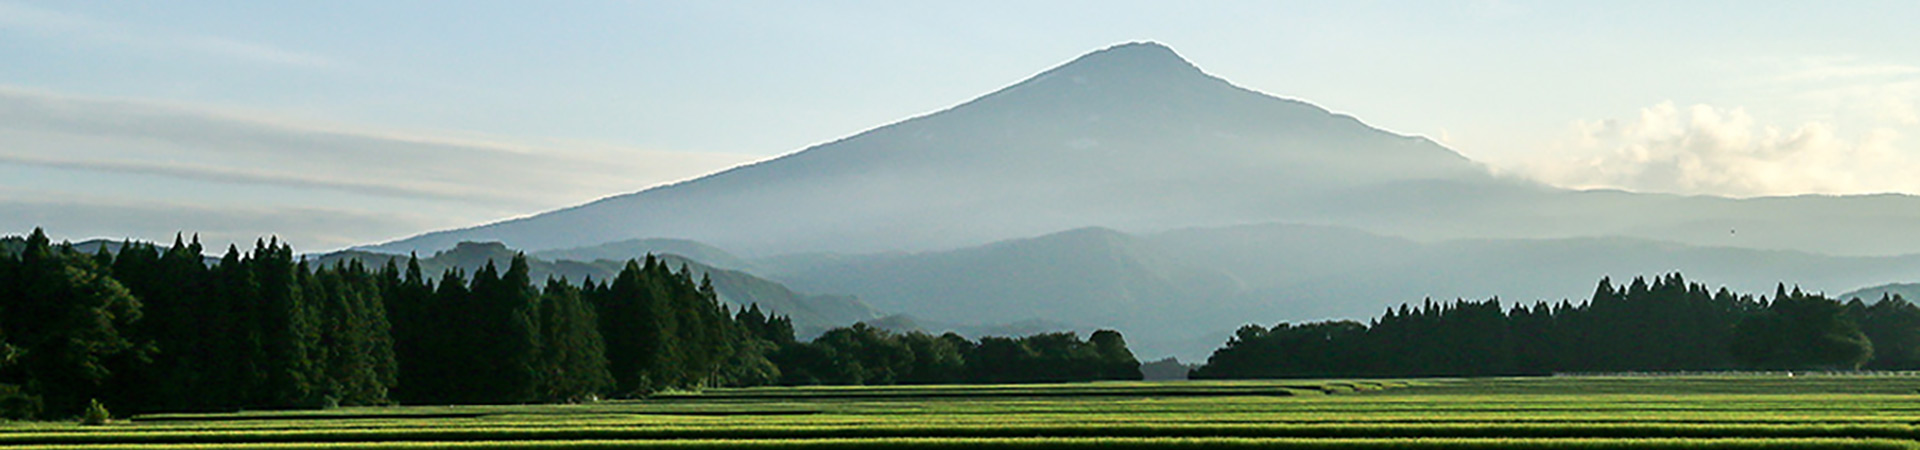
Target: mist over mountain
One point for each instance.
(1092, 276)
(1180, 292)
(1129, 189)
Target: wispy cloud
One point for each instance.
(118, 135)
(247, 176)
(63, 25)
(483, 177)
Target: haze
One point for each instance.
(357, 122)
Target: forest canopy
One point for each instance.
(1663, 324)
(149, 328)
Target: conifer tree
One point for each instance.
(65, 313)
(572, 360)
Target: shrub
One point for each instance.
(96, 414)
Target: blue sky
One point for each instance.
(341, 123)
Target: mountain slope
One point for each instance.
(1135, 138)
(1093, 276)
(1131, 137)
(1180, 292)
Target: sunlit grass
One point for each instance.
(1600, 412)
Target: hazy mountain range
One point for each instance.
(1127, 188)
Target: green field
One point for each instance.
(1573, 412)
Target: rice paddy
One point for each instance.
(1747, 411)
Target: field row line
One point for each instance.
(761, 431)
(1077, 443)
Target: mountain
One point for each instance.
(1128, 188)
(1182, 292)
(1136, 138)
(1130, 137)
(811, 314)
(1906, 291)
(637, 248)
(1095, 276)
(13, 245)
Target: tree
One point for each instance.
(65, 314)
(935, 360)
(1893, 324)
(1116, 361)
(637, 326)
(412, 306)
(863, 355)
(572, 364)
(1798, 331)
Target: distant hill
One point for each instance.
(1906, 291)
(1165, 369)
(810, 313)
(1094, 276)
(636, 248)
(13, 245)
(1181, 292)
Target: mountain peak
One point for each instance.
(1113, 79)
(1137, 50)
(1133, 58)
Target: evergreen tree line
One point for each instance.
(1666, 324)
(161, 329)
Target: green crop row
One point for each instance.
(1074, 443)
(1697, 412)
(751, 431)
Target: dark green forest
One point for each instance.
(150, 329)
(1666, 324)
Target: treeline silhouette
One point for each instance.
(1666, 324)
(149, 329)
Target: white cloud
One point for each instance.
(62, 25)
(1704, 149)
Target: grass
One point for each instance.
(1576, 412)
